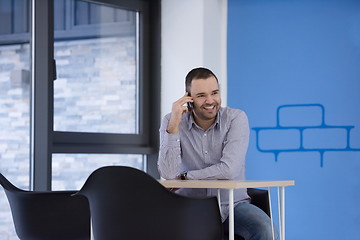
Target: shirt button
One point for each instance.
(178, 140)
(206, 152)
(204, 134)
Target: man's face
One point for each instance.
(206, 96)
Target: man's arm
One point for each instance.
(169, 160)
(232, 161)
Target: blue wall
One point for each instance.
(294, 67)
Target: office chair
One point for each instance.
(55, 215)
(126, 203)
(260, 198)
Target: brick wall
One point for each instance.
(96, 86)
(14, 125)
(95, 91)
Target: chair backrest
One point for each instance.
(260, 198)
(48, 215)
(126, 203)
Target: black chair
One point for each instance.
(128, 204)
(259, 198)
(55, 215)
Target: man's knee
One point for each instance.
(253, 223)
(265, 232)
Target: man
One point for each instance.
(206, 141)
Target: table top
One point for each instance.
(224, 184)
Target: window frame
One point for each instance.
(45, 141)
(18, 20)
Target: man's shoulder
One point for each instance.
(227, 112)
(229, 116)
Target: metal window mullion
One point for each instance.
(41, 94)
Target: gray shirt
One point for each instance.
(217, 153)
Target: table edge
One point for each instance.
(224, 184)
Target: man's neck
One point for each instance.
(204, 124)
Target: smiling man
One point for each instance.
(199, 139)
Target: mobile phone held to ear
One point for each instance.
(189, 104)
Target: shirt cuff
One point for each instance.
(190, 175)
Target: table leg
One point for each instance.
(231, 214)
(281, 206)
(271, 215)
(219, 198)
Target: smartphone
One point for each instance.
(189, 104)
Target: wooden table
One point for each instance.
(231, 185)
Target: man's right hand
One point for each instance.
(178, 109)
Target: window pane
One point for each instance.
(14, 125)
(97, 82)
(69, 171)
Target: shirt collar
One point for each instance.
(191, 121)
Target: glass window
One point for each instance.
(69, 171)
(14, 118)
(103, 69)
(97, 86)
(97, 71)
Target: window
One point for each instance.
(14, 18)
(97, 82)
(76, 120)
(14, 104)
(69, 171)
(102, 91)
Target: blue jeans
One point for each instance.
(251, 223)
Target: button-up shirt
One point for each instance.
(216, 153)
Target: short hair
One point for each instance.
(198, 73)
